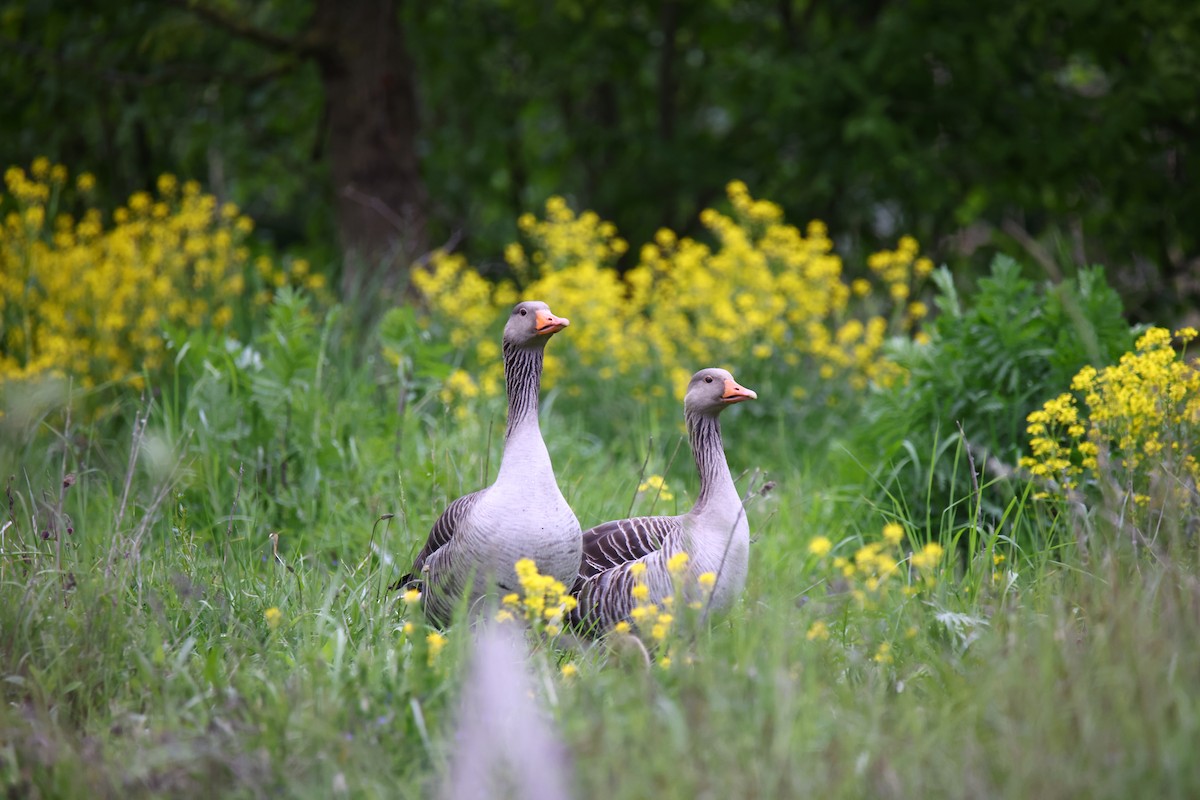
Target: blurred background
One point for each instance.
(363, 134)
(255, 257)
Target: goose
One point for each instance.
(714, 533)
(480, 536)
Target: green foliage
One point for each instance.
(193, 592)
(421, 363)
(991, 360)
(181, 665)
(1071, 119)
(287, 412)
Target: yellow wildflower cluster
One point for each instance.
(900, 269)
(876, 566)
(459, 384)
(873, 576)
(687, 302)
(80, 298)
(433, 642)
(545, 602)
(1143, 411)
(820, 546)
(296, 273)
(656, 617)
(436, 642)
(657, 486)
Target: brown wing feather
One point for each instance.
(447, 524)
(440, 535)
(604, 585)
(612, 544)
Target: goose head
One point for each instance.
(713, 389)
(531, 324)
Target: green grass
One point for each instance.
(137, 658)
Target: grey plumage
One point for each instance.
(613, 544)
(479, 537)
(714, 533)
(444, 527)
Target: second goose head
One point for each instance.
(531, 324)
(711, 390)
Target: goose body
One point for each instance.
(480, 536)
(714, 533)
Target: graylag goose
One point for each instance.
(714, 533)
(479, 537)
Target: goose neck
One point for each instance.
(716, 483)
(523, 383)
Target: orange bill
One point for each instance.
(736, 393)
(547, 323)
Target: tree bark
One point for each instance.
(371, 129)
(371, 112)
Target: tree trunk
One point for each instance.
(371, 113)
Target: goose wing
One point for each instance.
(621, 541)
(604, 587)
(446, 526)
(440, 534)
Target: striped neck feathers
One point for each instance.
(716, 483)
(523, 383)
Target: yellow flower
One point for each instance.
(569, 670)
(163, 262)
(929, 557)
(817, 632)
(884, 654)
(411, 596)
(640, 591)
(1138, 410)
(637, 568)
(273, 616)
(436, 643)
(655, 483)
(677, 563)
(893, 533)
(621, 627)
(820, 546)
(707, 580)
(641, 613)
(778, 285)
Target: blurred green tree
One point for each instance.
(262, 101)
(1065, 130)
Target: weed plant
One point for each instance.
(193, 593)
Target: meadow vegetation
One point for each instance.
(974, 560)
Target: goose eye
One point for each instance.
(708, 379)
(524, 312)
